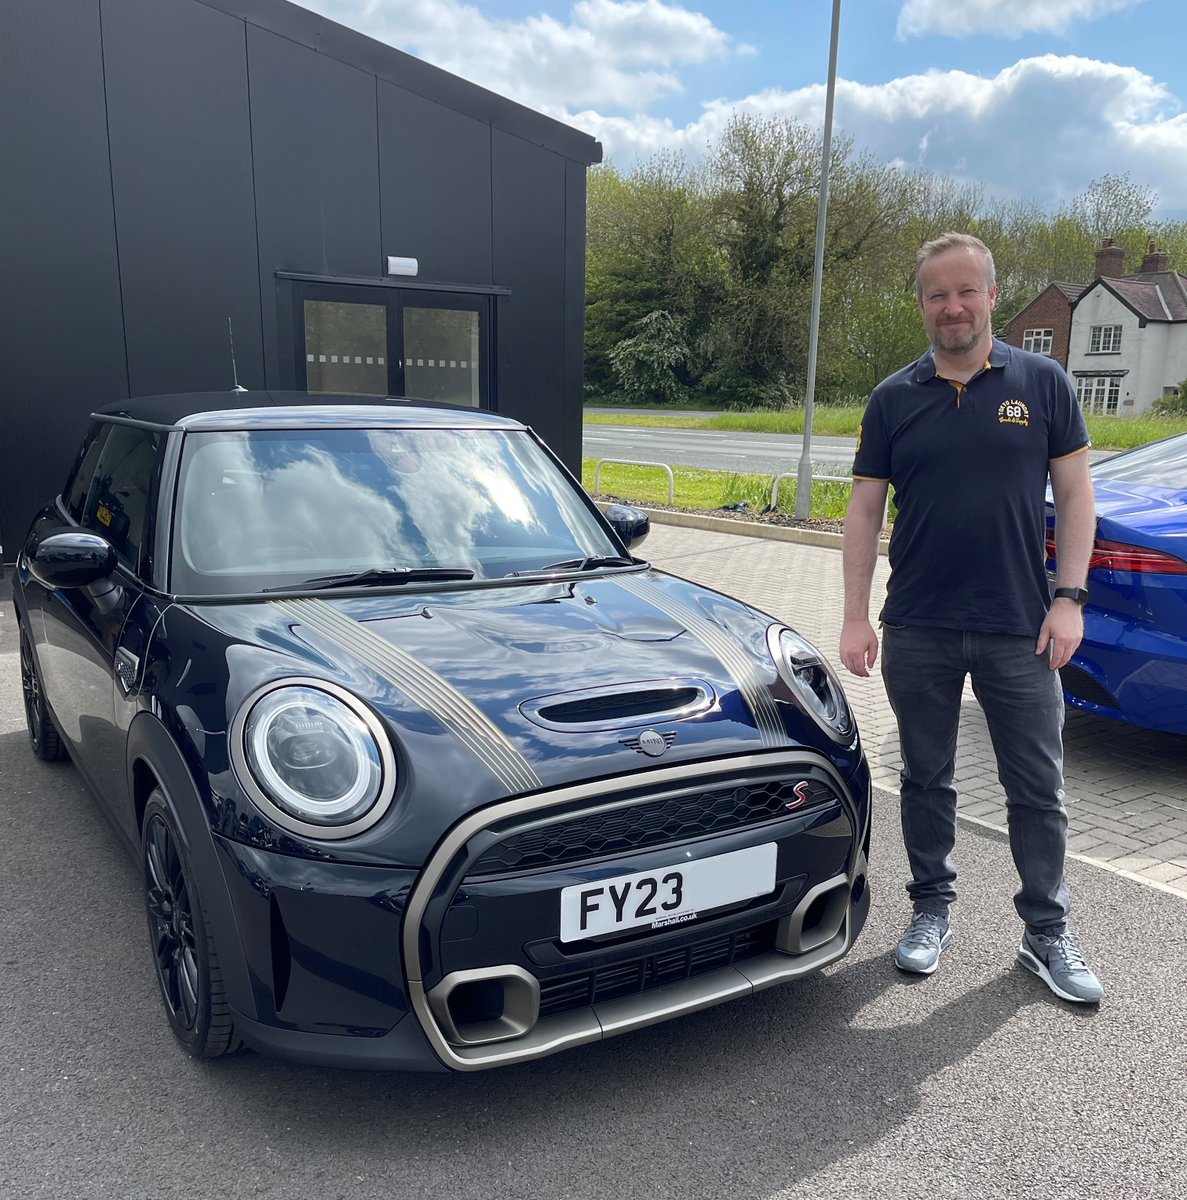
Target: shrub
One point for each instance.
(647, 364)
(1172, 406)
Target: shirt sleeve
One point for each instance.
(1067, 432)
(872, 460)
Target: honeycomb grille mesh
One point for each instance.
(568, 992)
(651, 823)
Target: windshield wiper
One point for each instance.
(384, 575)
(588, 563)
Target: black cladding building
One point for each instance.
(174, 169)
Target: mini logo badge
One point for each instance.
(1013, 412)
(650, 742)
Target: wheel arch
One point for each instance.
(155, 762)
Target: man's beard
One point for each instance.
(952, 342)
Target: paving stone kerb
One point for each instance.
(1126, 787)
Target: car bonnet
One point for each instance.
(477, 666)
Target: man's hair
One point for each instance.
(953, 241)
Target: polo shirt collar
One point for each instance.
(925, 368)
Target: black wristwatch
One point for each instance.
(1079, 595)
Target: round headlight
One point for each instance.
(813, 681)
(314, 758)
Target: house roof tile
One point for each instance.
(1158, 296)
(1073, 291)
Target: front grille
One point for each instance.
(1080, 684)
(658, 822)
(567, 992)
(622, 707)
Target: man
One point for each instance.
(968, 436)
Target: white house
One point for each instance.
(1128, 342)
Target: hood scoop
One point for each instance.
(615, 707)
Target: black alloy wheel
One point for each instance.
(44, 737)
(183, 950)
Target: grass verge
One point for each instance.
(1107, 433)
(708, 490)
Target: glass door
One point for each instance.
(392, 341)
(443, 348)
(345, 347)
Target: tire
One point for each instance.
(44, 738)
(180, 941)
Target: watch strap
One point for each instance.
(1078, 594)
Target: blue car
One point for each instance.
(1132, 663)
(421, 766)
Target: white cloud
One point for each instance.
(614, 54)
(1041, 129)
(1004, 18)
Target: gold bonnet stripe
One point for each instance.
(737, 662)
(423, 686)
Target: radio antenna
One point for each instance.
(234, 372)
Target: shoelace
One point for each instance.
(1067, 946)
(924, 928)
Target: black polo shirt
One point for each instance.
(969, 466)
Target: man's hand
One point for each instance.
(1061, 632)
(859, 646)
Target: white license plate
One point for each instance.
(668, 896)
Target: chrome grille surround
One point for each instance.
(631, 1012)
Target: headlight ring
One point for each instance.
(813, 682)
(313, 758)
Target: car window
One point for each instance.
(117, 502)
(268, 508)
(83, 472)
(1161, 464)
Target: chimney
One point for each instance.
(1155, 262)
(1110, 260)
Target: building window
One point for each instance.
(1106, 339)
(1099, 395)
(1038, 340)
(1170, 393)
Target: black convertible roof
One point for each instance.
(278, 410)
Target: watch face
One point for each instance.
(1079, 595)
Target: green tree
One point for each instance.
(649, 249)
(649, 366)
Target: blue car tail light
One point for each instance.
(1120, 556)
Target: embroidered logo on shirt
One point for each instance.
(1013, 412)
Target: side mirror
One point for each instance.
(70, 559)
(631, 524)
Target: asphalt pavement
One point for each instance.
(709, 449)
(858, 1082)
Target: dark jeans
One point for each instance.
(924, 670)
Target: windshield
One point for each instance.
(1161, 464)
(268, 509)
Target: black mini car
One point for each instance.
(423, 768)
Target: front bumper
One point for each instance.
(460, 964)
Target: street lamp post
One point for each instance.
(803, 491)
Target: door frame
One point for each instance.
(294, 288)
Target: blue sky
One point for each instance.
(1031, 99)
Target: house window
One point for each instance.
(1099, 395)
(1038, 340)
(1106, 339)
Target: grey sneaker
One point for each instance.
(1059, 962)
(922, 943)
